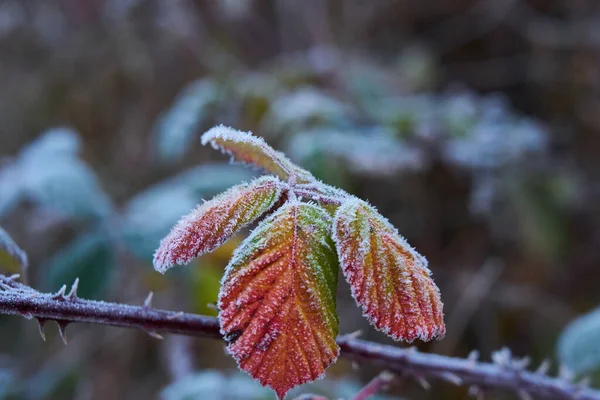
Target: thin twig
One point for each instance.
(19, 299)
(377, 384)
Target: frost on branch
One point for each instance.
(214, 222)
(253, 150)
(388, 278)
(277, 302)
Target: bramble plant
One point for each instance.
(277, 303)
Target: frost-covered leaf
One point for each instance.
(89, 257)
(388, 278)
(214, 222)
(176, 128)
(578, 346)
(277, 303)
(253, 150)
(11, 255)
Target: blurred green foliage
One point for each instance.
(478, 138)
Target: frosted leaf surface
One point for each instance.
(253, 150)
(389, 280)
(215, 221)
(277, 302)
(9, 249)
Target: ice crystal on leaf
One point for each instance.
(389, 279)
(278, 299)
(212, 223)
(253, 150)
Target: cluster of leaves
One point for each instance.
(278, 295)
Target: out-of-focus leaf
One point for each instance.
(12, 258)
(177, 127)
(253, 150)
(494, 143)
(304, 107)
(49, 173)
(11, 190)
(214, 222)
(373, 152)
(54, 143)
(7, 383)
(150, 215)
(68, 187)
(277, 303)
(388, 278)
(89, 257)
(237, 386)
(209, 179)
(578, 345)
(215, 385)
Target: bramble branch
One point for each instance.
(505, 372)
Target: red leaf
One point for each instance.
(389, 279)
(214, 222)
(277, 303)
(253, 150)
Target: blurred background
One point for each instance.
(474, 126)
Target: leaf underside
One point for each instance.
(215, 221)
(277, 302)
(253, 150)
(389, 280)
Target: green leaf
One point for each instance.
(11, 256)
(578, 345)
(90, 258)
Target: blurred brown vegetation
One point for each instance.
(511, 275)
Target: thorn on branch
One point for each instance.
(148, 301)
(423, 382)
(566, 374)
(41, 322)
(155, 335)
(60, 295)
(73, 293)
(452, 378)
(473, 357)
(476, 392)
(62, 329)
(176, 315)
(544, 367)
